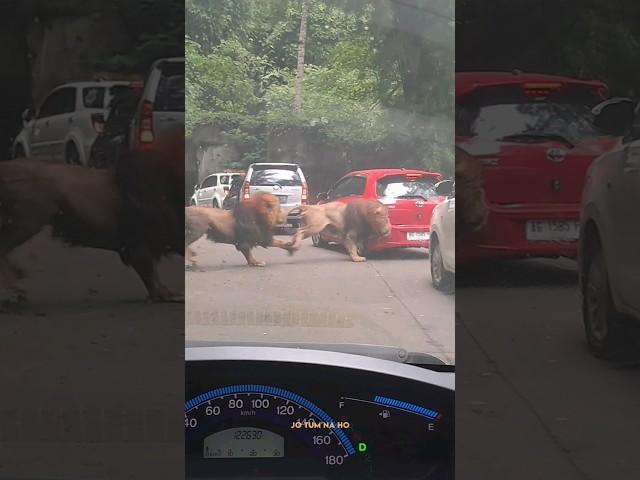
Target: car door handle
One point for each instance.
(168, 119)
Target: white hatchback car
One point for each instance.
(443, 238)
(67, 123)
(213, 190)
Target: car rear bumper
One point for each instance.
(398, 238)
(505, 235)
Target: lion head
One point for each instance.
(379, 219)
(472, 211)
(370, 218)
(268, 209)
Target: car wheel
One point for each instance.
(19, 152)
(317, 241)
(442, 279)
(215, 203)
(71, 154)
(603, 324)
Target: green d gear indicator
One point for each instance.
(362, 447)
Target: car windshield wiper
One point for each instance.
(540, 136)
(414, 195)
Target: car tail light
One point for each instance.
(97, 120)
(145, 134)
(305, 194)
(412, 177)
(137, 86)
(245, 191)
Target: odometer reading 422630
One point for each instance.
(264, 423)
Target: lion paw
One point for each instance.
(359, 259)
(257, 264)
(166, 296)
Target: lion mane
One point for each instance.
(133, 209)
(250, 224)
(472, 210)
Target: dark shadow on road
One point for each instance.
(518, 273)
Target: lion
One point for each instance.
(134, 209)
(472, 211)
(250, 224)
(357, 222)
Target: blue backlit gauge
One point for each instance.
(262, 423)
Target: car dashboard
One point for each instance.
(256, 412)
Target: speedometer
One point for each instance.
(262, 423)
(286, 420)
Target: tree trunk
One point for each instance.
(302, 39)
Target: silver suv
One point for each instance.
(609, 250)
(161, 106)
(284, 180)
(67, 123)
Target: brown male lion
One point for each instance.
(134, 209)
(359, 221)
(472, 211)
(250, 224)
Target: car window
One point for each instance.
(170, 93)
(341, 189)
(225, 179)
(394, 187)
(500, 112)
(59, 102)
(209, 182)
(268, 176)
(93, 97)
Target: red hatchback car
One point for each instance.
(535, 138)
(409, 195)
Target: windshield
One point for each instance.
(398, 186)
(537, 119)
(323, 103)
(265, 176)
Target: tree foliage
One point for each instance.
(373, 77)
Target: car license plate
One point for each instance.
(282, 198)
(417, 236)
(553, 230)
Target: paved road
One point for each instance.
(83, 356)
(318, 295)
(532, 402)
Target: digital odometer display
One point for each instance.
(247, 442)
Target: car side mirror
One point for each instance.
(444, 188)
(321, 197)
(614, 116)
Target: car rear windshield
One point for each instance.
(507, 113)
(170, 93)
(283, 176)
(394, 187)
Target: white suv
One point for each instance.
(67, 123)
(212, 190)
(284, 180)
(161, 106)
(442, 248)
